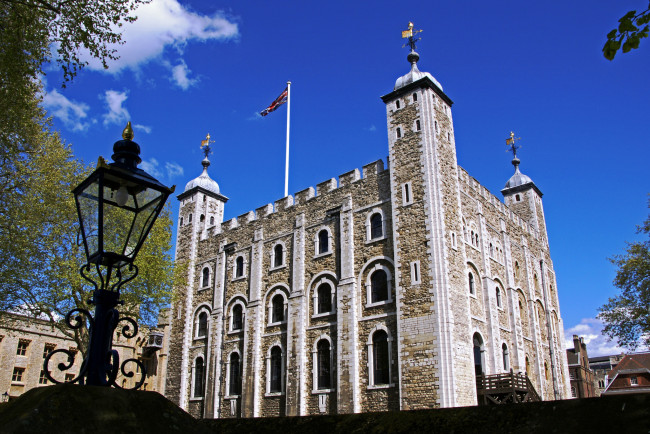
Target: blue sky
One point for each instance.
(193, 67)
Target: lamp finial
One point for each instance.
(127, 134)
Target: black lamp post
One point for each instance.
(117, 206)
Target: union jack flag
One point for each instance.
(277, 103)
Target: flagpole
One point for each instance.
(286, 163)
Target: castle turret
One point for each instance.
(201, 210)
(522, 195)
(426, 216)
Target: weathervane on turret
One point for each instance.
(511, 143)
(205, 145)
(410, 34)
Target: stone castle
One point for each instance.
(388, 288)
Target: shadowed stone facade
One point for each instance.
(388, 288)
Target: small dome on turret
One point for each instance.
(518, 178)
(414, 74)
(204, 181)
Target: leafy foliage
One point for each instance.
(631, 29)
(70, 27)
(627, 316)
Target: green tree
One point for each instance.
(632, 27)
(627, 316)
(41, 247)
(69, 27)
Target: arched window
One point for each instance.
(324, 298)
(237, 317)
(275, 385)
(546, 371)
(201, 330)
(506, 357)
(378, 286)
(202, 218)
(517, 270)
(205, 282)
(478, 354)
(239, 266)
(235, 375)
(277, 309)
(499, 301)
(415, 97)
(376, 226)
(211, 220)
(324, 364)
(277, 255)
(181, 221)
(472, 287)
(527, 366)
(198, 377)
(380, 358)
(323, 241)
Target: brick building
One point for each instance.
(631, 375)
(388, 288)
(26, 341)
(582, 379)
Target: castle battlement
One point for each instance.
(301, 197)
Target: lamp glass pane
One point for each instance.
(88, 208)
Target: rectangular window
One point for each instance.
(17, 376)
(69, 377)
(634, 381)
(47, 349)
(21, 350)
(407, 194)
(415, 272)
(399, 132)
(42, 379)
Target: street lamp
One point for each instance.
(5, 397)
(117, 207)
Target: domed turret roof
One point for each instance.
(204, 181)
(518, 179)
(414, 74)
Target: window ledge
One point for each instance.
(273, 394)
(473, 295)
(323, 314)
(322, 391)
(196, 398)
(379, 303)
(374, 240)
(235, 332)
(232, 397)
(203, 288)
(235, 279)
(274, 324)
(322, 255)
(380, 386)
(279, 267)
(17, 383)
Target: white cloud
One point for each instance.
(117, 114)
(591, 331)
(173, 170)
(170, 171)
(372, 128)
(73, 114)
(180, 76)
(145, 129)
(162, 24)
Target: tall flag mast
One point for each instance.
(283, 98)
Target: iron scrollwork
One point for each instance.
(101, 364)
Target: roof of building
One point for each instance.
(639, 362)
(203, 181)
(414, 74)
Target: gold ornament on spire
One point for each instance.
(127, 133)
(205, 145)
(511, 144)
(410, 34)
